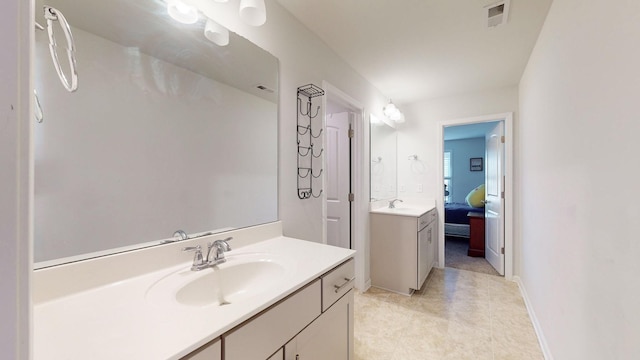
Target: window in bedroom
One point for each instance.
(447, 177)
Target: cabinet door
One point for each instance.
(424, 256)
(264, 334)
(278, 355)
(329, 337)
(211, 351)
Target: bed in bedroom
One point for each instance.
(456, 221)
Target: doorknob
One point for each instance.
(485, 202)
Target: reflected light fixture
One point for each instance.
(182, 12)
(253, 12)
(216, 33)
(393, 113)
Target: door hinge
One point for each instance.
(351, 133)
(352, 196)
(502, 139)
(502, 250)
(502, 194)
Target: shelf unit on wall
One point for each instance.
(309, 141)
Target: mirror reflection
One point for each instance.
(167, 131)
(383, 160)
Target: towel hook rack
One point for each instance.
(308, 141)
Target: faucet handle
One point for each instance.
(192, 248)
(197, 257)
(225, 243)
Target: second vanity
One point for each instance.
(403, 247)
(299, 300)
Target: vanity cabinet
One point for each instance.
(315, 322)
(403, 250)
(278, 355)
(328, 337)
(211, 351)
(261, 336)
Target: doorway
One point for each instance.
(346, 194)
(338, 198)
(466, 167)
(500, 227)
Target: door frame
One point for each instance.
(508, 184)
(358, 186)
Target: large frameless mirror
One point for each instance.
(167, 131)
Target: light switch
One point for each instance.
(402, 188)
(419, 187)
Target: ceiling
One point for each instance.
(414, 50)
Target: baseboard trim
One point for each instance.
(534, 319)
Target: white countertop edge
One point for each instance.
(414, 211)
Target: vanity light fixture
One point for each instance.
(393, 113)
(182, 12)
(253, 12)
(216, 33)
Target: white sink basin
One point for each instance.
(242, 277)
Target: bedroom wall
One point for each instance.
(578, 120)
(463, 179)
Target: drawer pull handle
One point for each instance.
(346, 282)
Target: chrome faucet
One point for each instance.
(219, 247)
(200, 262)
(392, 203)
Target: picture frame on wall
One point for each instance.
(475, 164)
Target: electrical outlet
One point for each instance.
(419, 187)
(402, 188)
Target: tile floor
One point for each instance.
(457, 314)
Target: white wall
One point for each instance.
(463, 179)
(578, 133)
(304, 59)
(15, 237)
(419, 135)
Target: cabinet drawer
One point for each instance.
(274, 327)
(337, 282)
(426, 219)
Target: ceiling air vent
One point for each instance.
(497, 13)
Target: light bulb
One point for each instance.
(216, 33)
(253, 12)
(182, 12)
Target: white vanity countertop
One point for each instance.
(117, 321)
(404, 210)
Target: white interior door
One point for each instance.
(337, 155)
(494, 190)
